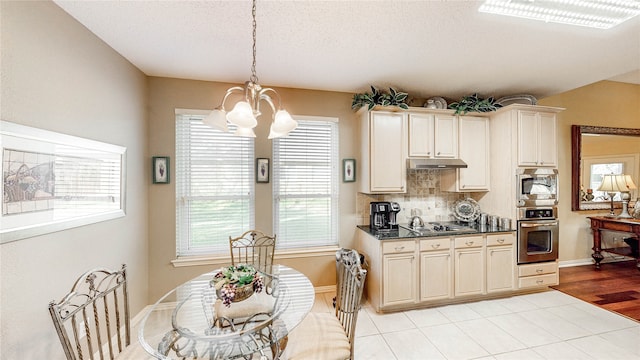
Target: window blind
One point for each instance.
(305, 185)
(214, 186)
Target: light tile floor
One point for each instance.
(546, 325)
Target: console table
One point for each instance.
(602, 223)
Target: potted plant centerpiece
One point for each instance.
(237, 283)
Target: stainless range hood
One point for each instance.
(417, 164)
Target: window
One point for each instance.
(214, 186)
(597, 166)
(305, 184)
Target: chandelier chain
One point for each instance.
(254, 77)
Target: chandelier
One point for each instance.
(246, 111)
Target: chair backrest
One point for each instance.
(254, 248)
(92, 320)
(350, 284)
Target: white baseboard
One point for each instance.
(577, 262)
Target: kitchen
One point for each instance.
(528, 199)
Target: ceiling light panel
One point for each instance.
(601, 14)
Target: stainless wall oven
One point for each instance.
(537, 234)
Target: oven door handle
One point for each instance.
(524, 225)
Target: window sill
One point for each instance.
(219, 260)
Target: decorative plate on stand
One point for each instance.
(466, 210)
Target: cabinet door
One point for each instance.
(436, 270)
(387, 160)
(548, 148)
(421, 134)
(528, 127)
(500, 268)
(446, 136)
(399, 279)
(474, 150)
(469, 271)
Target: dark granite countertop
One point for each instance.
(404, 233)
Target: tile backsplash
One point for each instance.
(423, 194)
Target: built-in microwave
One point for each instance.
(536, 187)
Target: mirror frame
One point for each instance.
(576, 159)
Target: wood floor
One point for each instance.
(615, 287)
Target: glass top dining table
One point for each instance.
(191, 322)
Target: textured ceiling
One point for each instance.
(427, 48)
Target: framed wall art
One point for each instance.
(160, 170)
(52, 181)
(348, 170)
(262, 170)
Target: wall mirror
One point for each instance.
(598, 149)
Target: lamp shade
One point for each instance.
(242, 115)
(217, 119)
(282, 124)
(629, 182)
(244, 132)
(613, 183)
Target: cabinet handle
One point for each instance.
(539, 271)
(539, 281)
(399, 248)
(439, 153)
(428, 152)
(435, 246)
(469, 242)
(500, 241)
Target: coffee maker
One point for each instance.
(382, 215)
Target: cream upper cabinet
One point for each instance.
(473, 140)
(537, 139)
(433, 135)
(383, 155)
(501, 268)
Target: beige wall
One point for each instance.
(166, 95)
(58, 76)
(604, 103)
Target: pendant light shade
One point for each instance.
(242, 115)
(245, 112)
(217, 119)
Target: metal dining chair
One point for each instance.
(323, 335)
(92, 320)
(254, 248)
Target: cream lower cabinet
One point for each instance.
(538, 275)
(436, 269)
(399, 273)
(501, 269)
(469, 265)
(415, 272)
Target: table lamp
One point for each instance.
(625, 196)
(611, 184)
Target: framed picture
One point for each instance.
(262, 170)
(160, 169)
(53, 182)
(348, 170)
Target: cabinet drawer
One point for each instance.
(538, 269)
(536, 281)
(500, 239)
(398, 247)
(468, 242)
(435, 244)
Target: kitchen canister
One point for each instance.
(505, 223)
(483, 219)
(493, 220)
